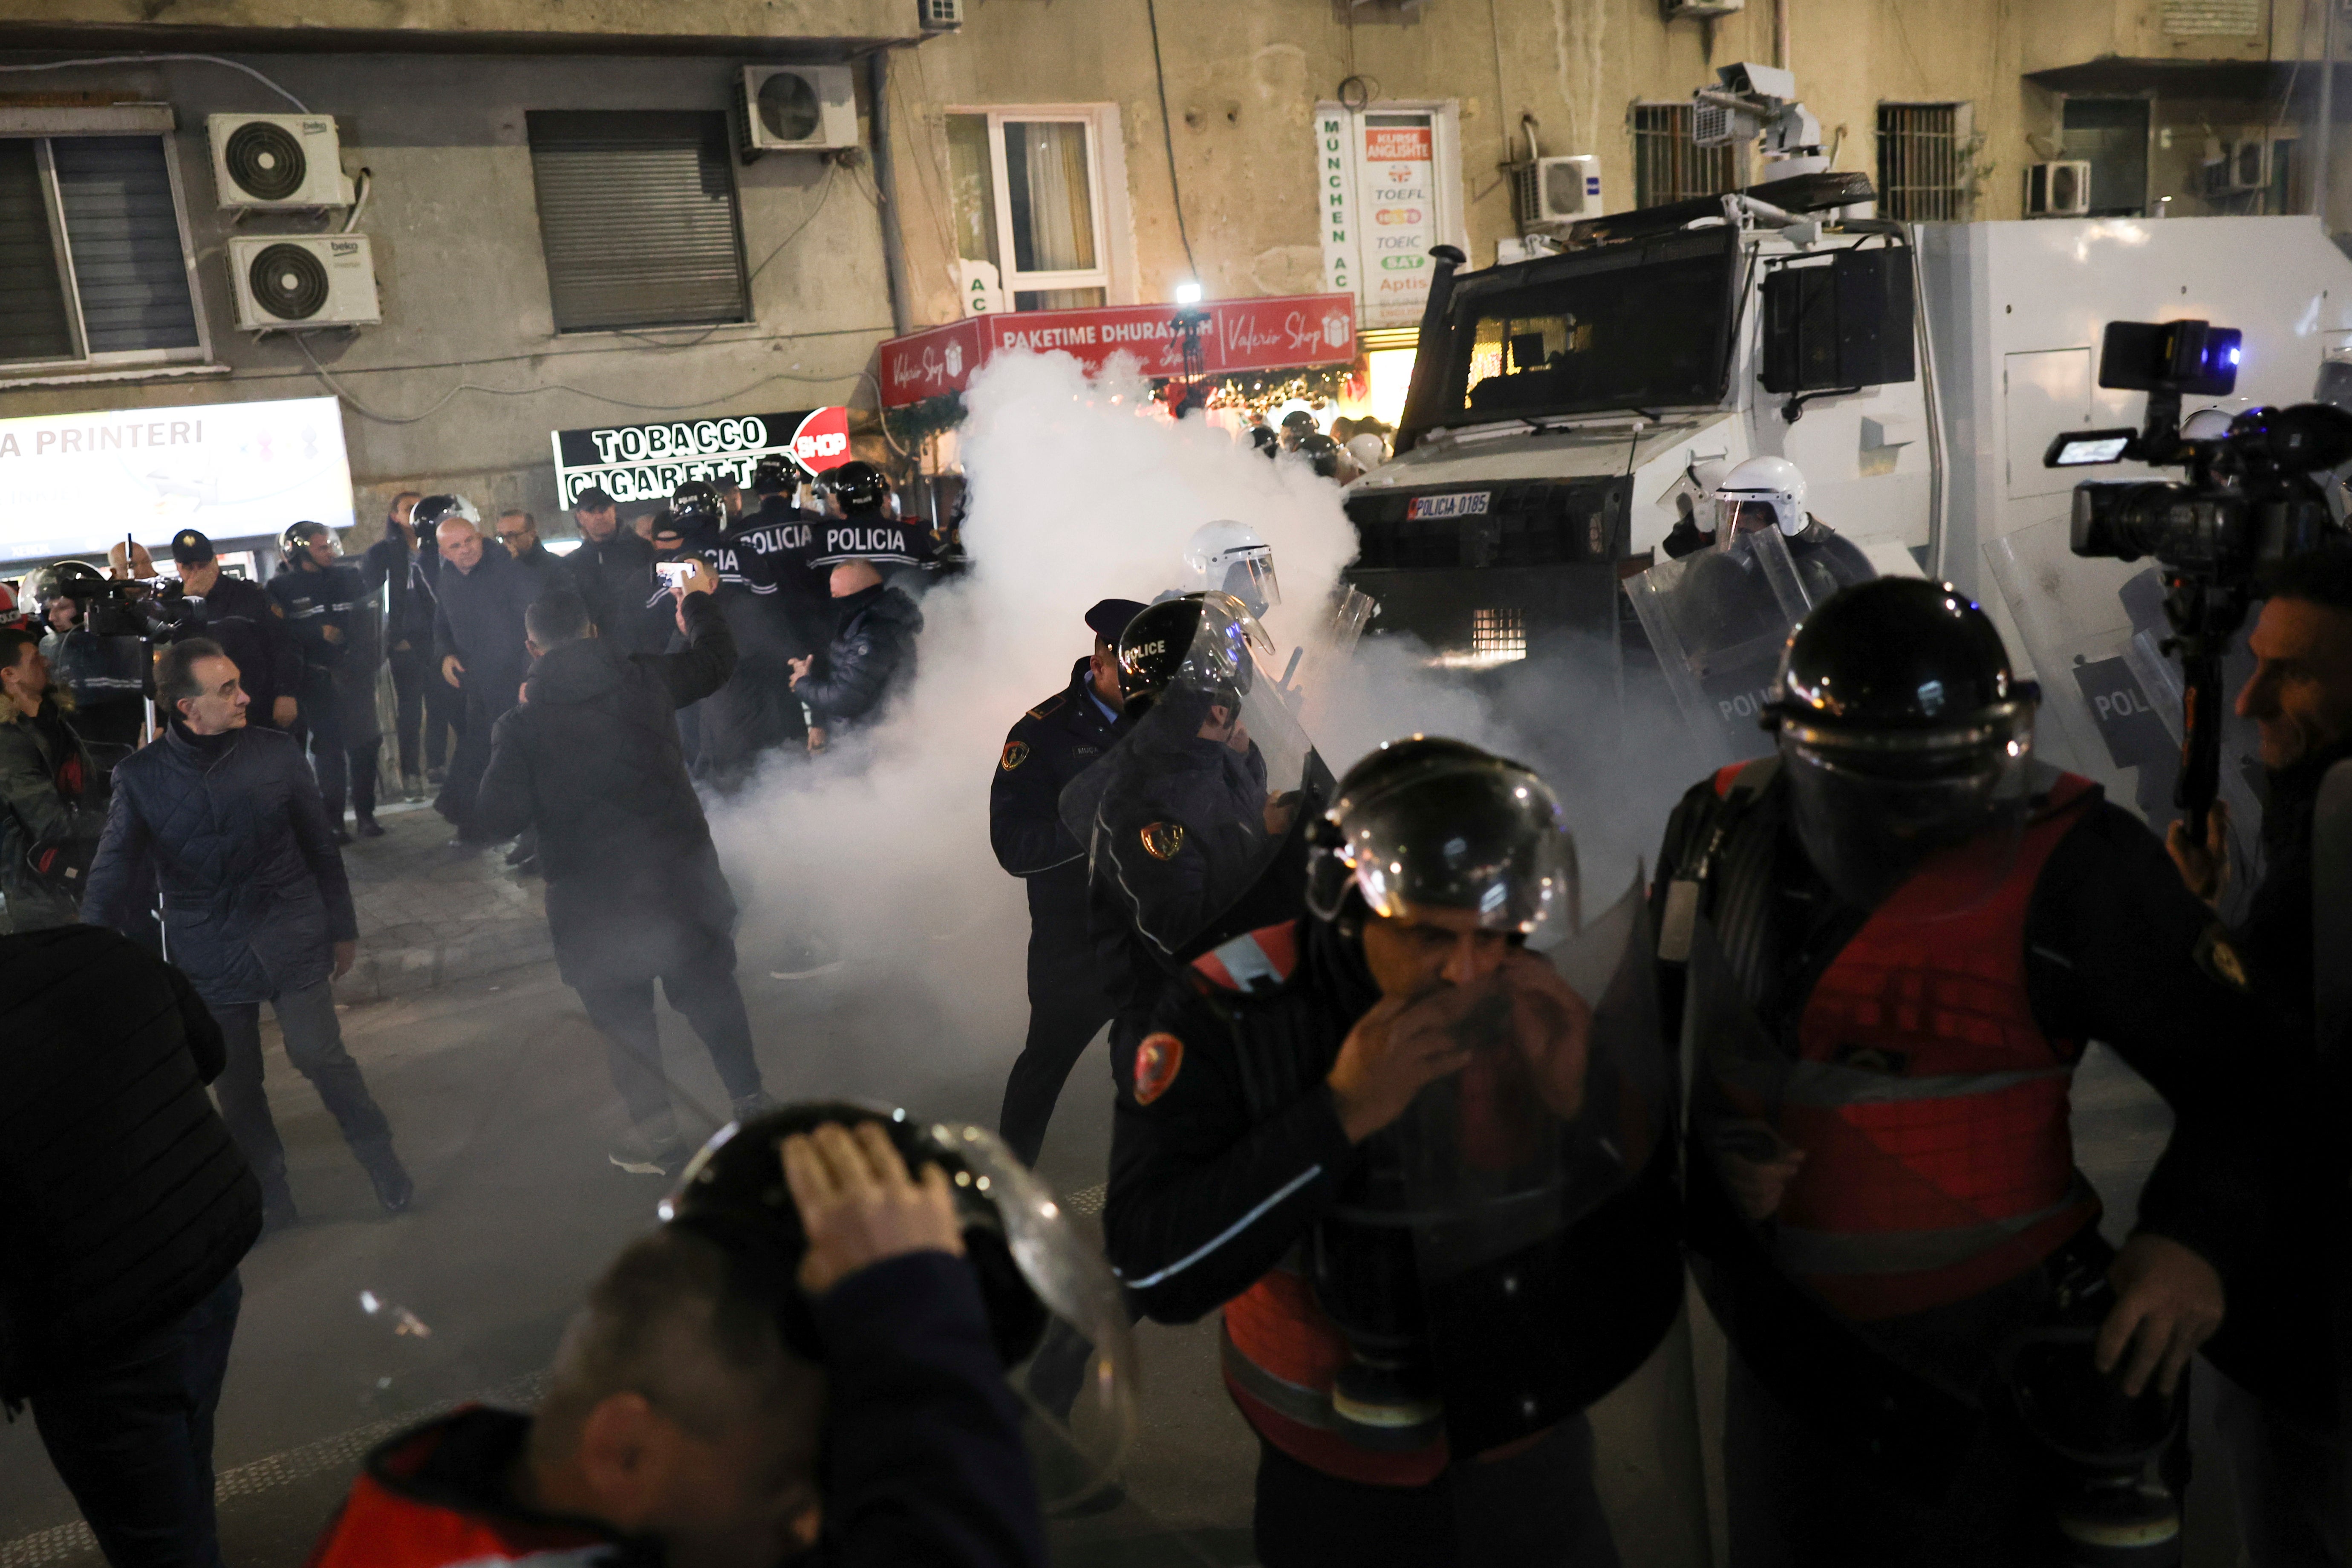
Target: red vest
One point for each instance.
(1931, 1107)
(1281, 1351)
(382, 1526)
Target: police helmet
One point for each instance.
(1321, 452)
(859, 486)
(1230, 557)
(297, 538)
(1196, 641)
(434, 510)
(1902, 728)
(1773, 486)
(65, 580)
(1430, 822)
(772, 476)
(696, 505)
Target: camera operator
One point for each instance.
(50, 815)
(98, 648)
(688, 1420)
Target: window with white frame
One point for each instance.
(96, 271)
(1029, 207)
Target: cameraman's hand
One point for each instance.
(2204, 867)
(859, 1207)
(1381, 1067)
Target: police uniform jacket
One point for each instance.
(312, 601)
(785, 538)
(592, 759)
(1046, 748)
(251, 628)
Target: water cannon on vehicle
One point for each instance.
(1759, 100)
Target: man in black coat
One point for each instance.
(406, 568)
(870, 660)
(1047, 747)
(613, 571)
(319, 597)
(245, 620)
(478, 636)
(519, 531)
(591, 761)
(124, 1209)
(227, 819)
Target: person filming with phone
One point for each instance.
(592, 759)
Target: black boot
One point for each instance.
(389, 1177)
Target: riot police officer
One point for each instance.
(1771, 492)
(754, 711)
(1227, 557)
(784, 537)
(1896, 934)
(318, 598)
(1323, 1132)
(1047, 748)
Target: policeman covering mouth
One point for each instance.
(1424, 1175)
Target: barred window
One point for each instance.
(1668, 166)
(1923, 162)
(637, 219)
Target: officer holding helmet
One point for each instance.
(1893, 937)
(1423, 1176)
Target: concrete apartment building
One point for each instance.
(564, 233)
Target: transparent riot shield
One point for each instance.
(1475, 1200)
(1717, 621)
(2111, 697)
(1184, 815)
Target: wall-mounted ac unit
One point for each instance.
(939, 16)
(2243, 166)
(2058, 189)
(299, 280)
(1556, 190)
(794, 109)
(274, 161)
(1700, 10)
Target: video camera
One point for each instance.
(2251, 497)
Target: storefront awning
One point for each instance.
(1283, 333)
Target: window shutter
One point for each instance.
(637, 219)
(34, 323)
(124, 232)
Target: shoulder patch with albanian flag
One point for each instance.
(1157, 1062)
(1015, 753)
(1162, 840)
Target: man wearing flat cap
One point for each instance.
(1050, 745)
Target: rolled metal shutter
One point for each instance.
(637, 219)
(35, 323)
(124, 233)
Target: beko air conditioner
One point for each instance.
(277, 162)
(794, 109)
(2060, 189)
(296, 282)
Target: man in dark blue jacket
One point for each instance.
(1047, 747)
(870, 660)
(477, 637)
(406, 566)
(228, 820)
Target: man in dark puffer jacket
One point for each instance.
(872, 659)
(592, 759)
(228, 819)
(124, 1207)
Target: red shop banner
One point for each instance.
(1277, 333)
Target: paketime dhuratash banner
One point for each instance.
(645, 462)
(77, 483)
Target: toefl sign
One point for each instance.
(77, 483)
(646, 462)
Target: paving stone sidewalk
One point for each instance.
(430, 915)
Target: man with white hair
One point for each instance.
(477, 637)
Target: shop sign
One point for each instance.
(646, 462)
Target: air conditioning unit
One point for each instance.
(271, 162)
(1556, 190)
(2060, 189)
(2242, 166)
(298, 280)
(794, 109)
(939, 16)
(1700, 10)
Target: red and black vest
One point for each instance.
(1932, 1109)
(1281, 1351)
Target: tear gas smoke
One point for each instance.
(879, 851)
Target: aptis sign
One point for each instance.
(646, 462)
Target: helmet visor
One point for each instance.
(1250, 578)
(1484, 837)
(1935, 816)
(1739, 512)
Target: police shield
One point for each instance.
(1202, 792)
(1529, 1196)
(1717, 620)
(2111, 699)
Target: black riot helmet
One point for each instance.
(434, 510)
(860, 487)
(66, 580)
(1322, 452)
(1196, 641)
(296, 540)
(1430, 822)
(697, 505)
(1903, 732)
(772, 476)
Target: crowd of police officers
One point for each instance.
(1438, 1133)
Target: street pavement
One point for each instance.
(498, 1094)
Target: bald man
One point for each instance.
(477, 637)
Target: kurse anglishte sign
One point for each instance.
(645, 462)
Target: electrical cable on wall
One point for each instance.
(1167, 137)
(150, 59)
